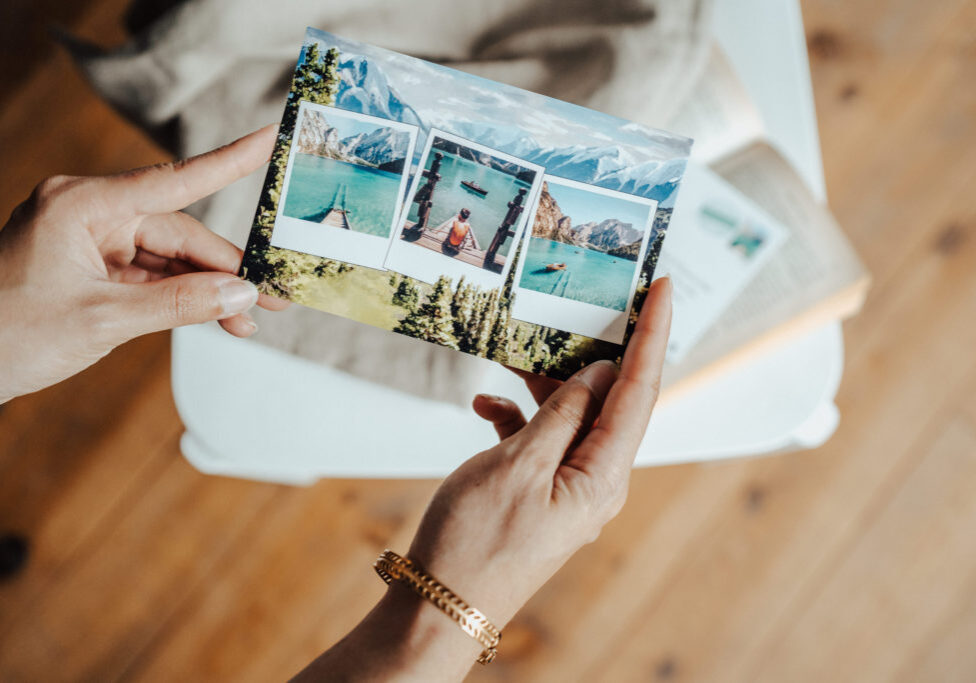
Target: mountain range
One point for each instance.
(384, 148)
(609, 235)
(365, 88)
(484, 159)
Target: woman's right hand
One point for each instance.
(507, 519)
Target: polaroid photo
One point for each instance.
(344, 184)
(465, 213)
(582, 259)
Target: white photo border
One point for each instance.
(328, 242)
(569, 315)
(428, 266)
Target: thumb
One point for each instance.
(183, 300)
(567, 415)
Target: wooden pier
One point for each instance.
(336, 218)
(433, 238)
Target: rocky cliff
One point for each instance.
(631, 251)
(610, 235)
(550, 223)
(316, 136)
(607, 234)
(383, 147)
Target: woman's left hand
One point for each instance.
(89, 263)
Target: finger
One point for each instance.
(501, 412)
(569, 413)
(160, 265)
(272, 303)
(240, 325)
(180, 236)
(612, 443)
(172, 186)
(539, 386)
(176, 243)
(174, 301)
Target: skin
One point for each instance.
(507, 519)
(89, 263)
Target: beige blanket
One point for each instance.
(207, 71)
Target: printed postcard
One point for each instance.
(460, 211)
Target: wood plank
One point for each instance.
(908, 568)
(853, 562)
(433, 239)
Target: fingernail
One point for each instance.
(667, 283)
(249, 321)
(599, 377)
(236, 296)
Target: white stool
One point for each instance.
(294, 421)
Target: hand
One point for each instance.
(508, 518)
(89, 263)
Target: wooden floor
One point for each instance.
(855, 562)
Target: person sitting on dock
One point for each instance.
(459, 233)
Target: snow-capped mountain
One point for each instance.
(626, 168)
(607, 234)
(364, 88)
(380, 147)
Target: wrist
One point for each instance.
(403, 637)
(424, 632)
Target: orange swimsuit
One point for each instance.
(459, 230)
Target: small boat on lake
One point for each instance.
(474, 187)
(552, 267)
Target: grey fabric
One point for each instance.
(207, 71)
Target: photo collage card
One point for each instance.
(460, 211)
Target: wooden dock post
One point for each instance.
(505, 229)
(425, 195)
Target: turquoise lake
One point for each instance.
(488, 212)
(371, 195)
(590, 276)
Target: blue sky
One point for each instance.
(584, 206)
(441, 94)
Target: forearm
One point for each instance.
(404, 638)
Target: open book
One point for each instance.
(814, 277)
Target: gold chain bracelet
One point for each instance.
(391, 566)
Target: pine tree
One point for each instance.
(406, 295)
(457, 299)
(432, 320)
(557, 340)
(316, 80)
(462, 310)
(496, 347)
(468, 335)
(485, 324)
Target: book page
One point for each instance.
(718, 241)
(816, 274)
(719, 115)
